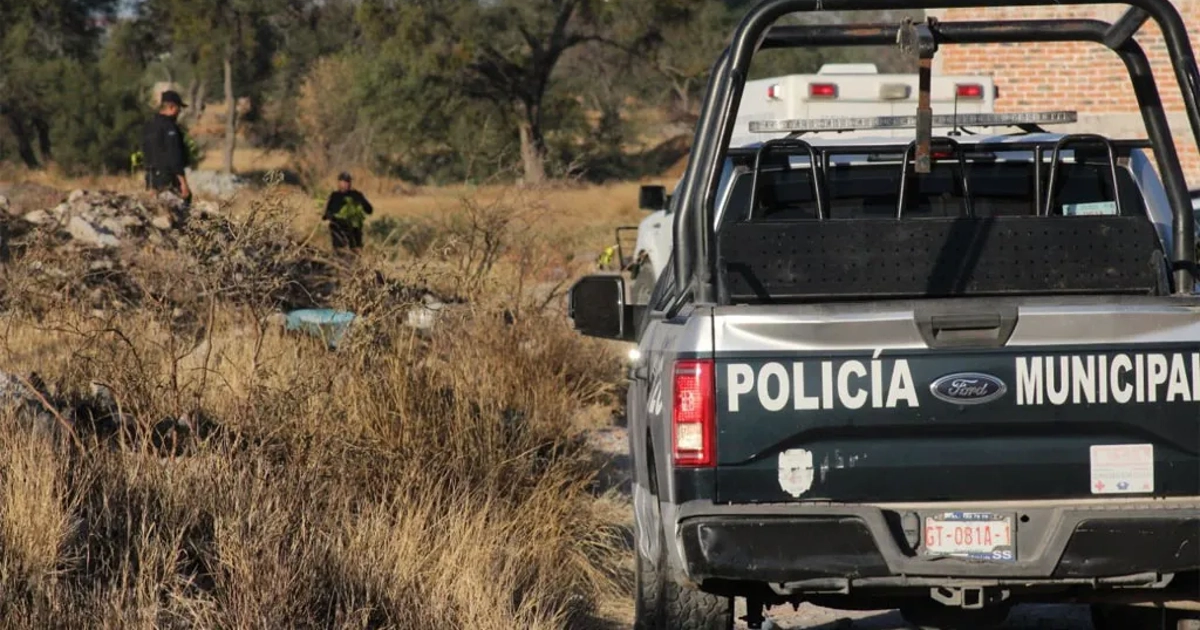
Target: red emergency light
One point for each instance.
(822, 90)
(775, 91)
(968, 90)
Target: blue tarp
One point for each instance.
(325, 323)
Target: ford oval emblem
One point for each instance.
(968, 388)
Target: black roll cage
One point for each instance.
(819, 164)
(694, 232)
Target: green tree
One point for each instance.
(230, 34)
(41, 42)
(506, 52)
(102, 106)
(307, 32)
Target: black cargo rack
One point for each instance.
(695, 265)
(1115, 150)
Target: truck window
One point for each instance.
(871, 190)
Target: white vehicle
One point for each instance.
(836, 90)
(653, 245)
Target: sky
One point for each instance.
(126, 8)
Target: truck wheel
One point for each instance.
(663, 604)
(648, 586)
(688, 609)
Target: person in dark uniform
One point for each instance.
(346, 211)
(165, 150)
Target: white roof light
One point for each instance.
(838, 123)
(848, 68)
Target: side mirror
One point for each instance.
(597, 307)
(652, 198)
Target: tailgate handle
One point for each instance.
(966, 330)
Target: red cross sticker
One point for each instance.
(1100, 486)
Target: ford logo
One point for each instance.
(968, 388)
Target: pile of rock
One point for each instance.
(104, 219)
(108, 251)
(215, 183)
(22, 403)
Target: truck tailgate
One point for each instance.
(860, 409)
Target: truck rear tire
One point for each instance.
(662, 604)
(648, 587)
(688, 609)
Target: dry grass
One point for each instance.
(245, 159)
(579, 218)
(225, 473)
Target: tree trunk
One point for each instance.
(230, 116)
(196, 94)
(43, 135)
(533, 144)
(24, 141)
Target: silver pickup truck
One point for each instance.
(946, 374)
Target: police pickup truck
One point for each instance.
(945, 374)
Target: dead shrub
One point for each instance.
(409, 479)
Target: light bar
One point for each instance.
(837, 123)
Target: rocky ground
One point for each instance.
(114, 251)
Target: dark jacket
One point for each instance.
(338, 200)
(163, 147)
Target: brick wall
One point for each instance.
(1082, 76)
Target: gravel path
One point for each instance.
(809, 617)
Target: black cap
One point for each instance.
(343, 176)
(171, 96)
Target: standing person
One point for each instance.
(164, 149)
(346, 211)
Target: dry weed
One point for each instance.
(227, 474)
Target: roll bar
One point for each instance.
(1081, 138)
(693, 229)
(814, 165)
(962, 175)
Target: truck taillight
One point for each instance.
(822, 90)
(693, 414)
(968, 90)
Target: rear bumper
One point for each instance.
(834, 547)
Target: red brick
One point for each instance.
(1081, 76)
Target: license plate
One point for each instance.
(979, 535)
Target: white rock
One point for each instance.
(62, 210)
(130, 220)
(207, 208)
(114, 226)
(161, 222)
(83, 208)
(215, 183)
(425, 315)
(38, 217)
(16, 397)
(170, 199)
(91, 234)
(76, 195)
(4, 206)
